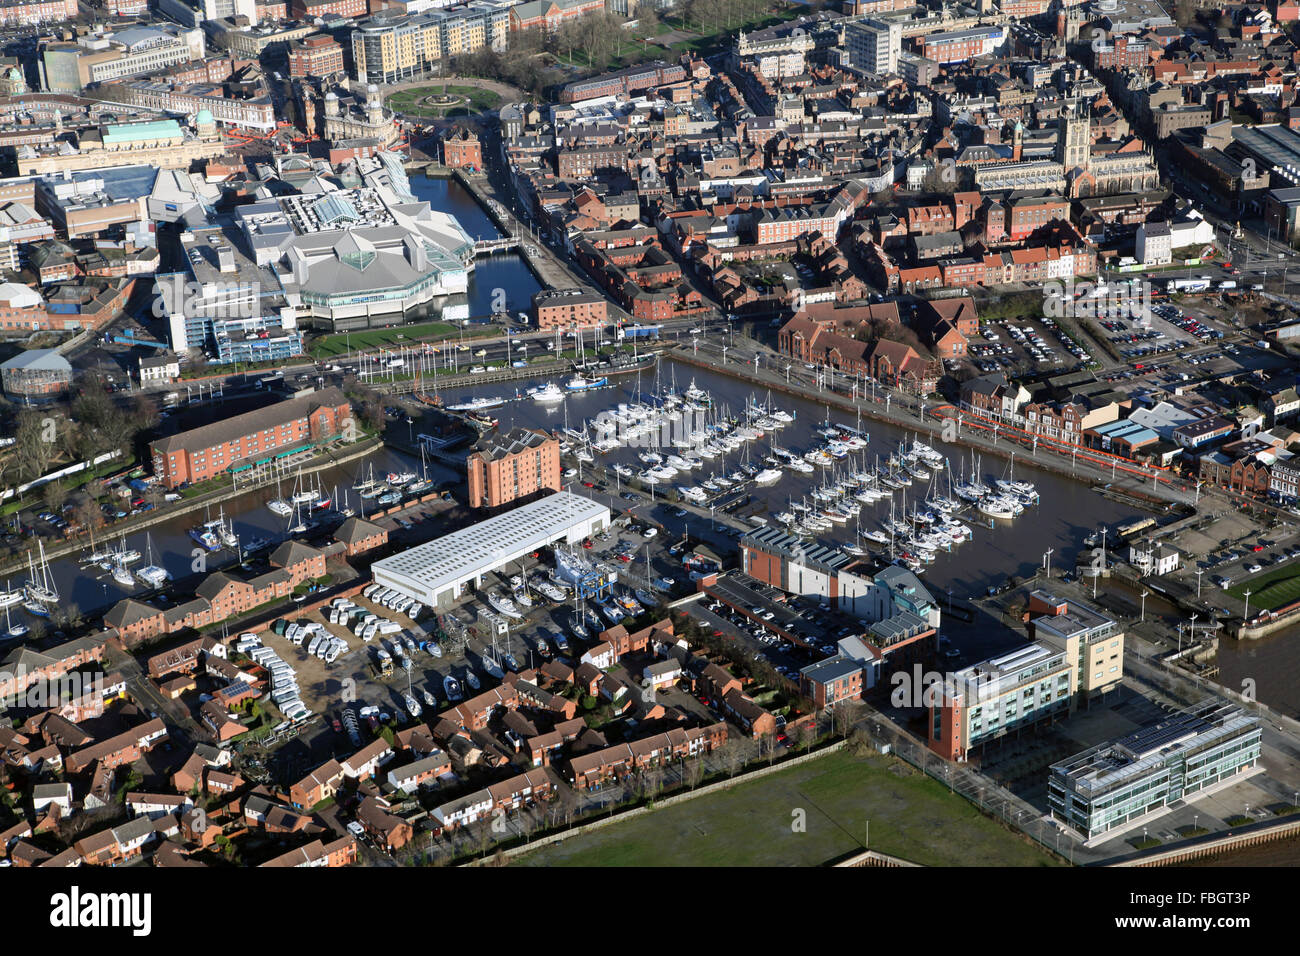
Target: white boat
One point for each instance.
(10, 599)
(482, 403)
(695, 394)
(40, 583)
(580, 384)
(503, 605)
(768, 476)
(412, 705)
(995, 506)
(451, 687)
(280, 507)
(14, 630)
(122, 575)
(546, 394)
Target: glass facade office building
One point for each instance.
(1114, 784)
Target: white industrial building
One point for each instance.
(437, 573)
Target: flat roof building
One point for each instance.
(984, 701)
(437, 572)
(1113, 786)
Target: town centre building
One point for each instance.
(437, 572)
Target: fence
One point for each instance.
(872, 858)
(659, 804)
(61, 473)
(1216, 845)
(978, 789)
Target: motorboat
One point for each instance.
(580, 384)
(546, 394)
(503, 605)
(768, 476)
(478, 404)
(451, 688)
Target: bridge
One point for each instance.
(486, 247)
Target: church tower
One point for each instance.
(1075, 136)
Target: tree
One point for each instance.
(35, 443)
(55, 495)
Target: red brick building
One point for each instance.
(211, 450)
(569, 309)
(316, 55)
(513, 466)
(462, 149)
(310, 9)
(118, 751)
(358, 536)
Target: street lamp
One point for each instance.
(1144, 604)
(1246, 616)
(1047, 561)
(1199, 572)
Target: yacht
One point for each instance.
(122, 575)
(503, 605)
(996, 506)
(479, 404)
(580, 384)
(546, 394)
(206, 537)
(15, 630)
(280, 507)
(40, 583)
(451, 688)
(471, 679)
(429, 700)
(768, 476)
(412, 705)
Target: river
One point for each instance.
(499, 282)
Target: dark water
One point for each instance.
(499, 281)
(93, 590)
(1067, 513)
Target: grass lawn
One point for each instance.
(408, 101)
(910, 816)
(1272, 589)
(392, 338)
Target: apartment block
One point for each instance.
(250, 438)
(988, 700)
(1093, 643)
(513, 466)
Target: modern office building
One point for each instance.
(990, 699)
(1093, 642)
(134, 51)
(1112, 787)
(874, 45)
(439, 572)
(509, 467)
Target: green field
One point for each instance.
(909, 816)
(1268, 591)
(392, 338)
(408, 101)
